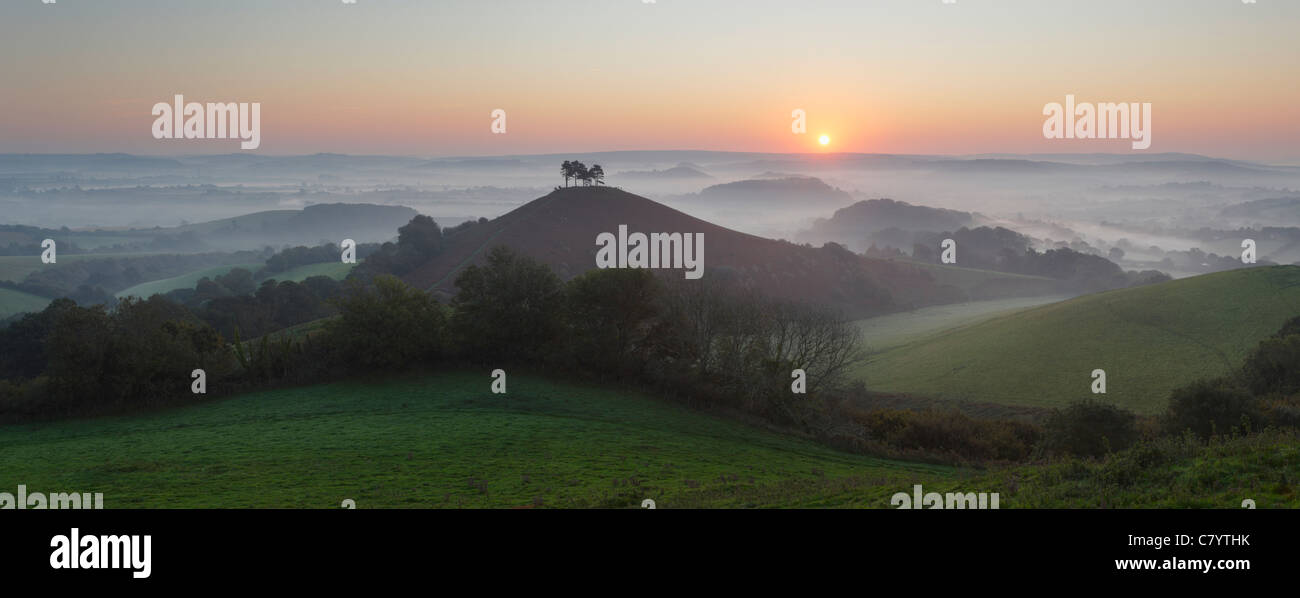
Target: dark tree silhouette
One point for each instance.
(581, 173)
(573, 169)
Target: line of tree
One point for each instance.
(573, 169)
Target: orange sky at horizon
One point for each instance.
(422, 80)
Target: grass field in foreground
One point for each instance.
(17, 302)
(442, 441)
(1149, 340)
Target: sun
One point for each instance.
(824, 139)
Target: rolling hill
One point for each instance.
(560, 230)
(444, 441)
(773, 193)
(308, 226)
(895, 330)
(853, 225)
(1148, 339)
(145, 290)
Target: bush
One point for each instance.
(947, 436)
(1210, 407)
(1089, 428)
(1274, 366)
(609, 317)
(507, 309)
(389, 326)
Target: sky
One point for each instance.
(422, 77)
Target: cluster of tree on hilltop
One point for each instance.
(573, 169)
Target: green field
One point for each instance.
(335, 270)
(442, 441)
(17, 302)
(17, 267)
(1148, 339)
(893, 330)
(184, 281)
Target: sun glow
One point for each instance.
(824, 139)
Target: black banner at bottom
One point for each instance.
(1113, 548)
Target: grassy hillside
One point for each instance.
(184, 281)
(441, 441)
(17, 302)
(893, 330)
(1167, 473)
(445, 441)
(335, 270)
(1148, 339)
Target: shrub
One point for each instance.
(507, 309)
(1090, 428)
(389, 326)
(947, 435)
(1274, 366)
(1210, 407)
(608, 318)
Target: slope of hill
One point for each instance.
(442, 441)
(851, 225)
(894, 330)
(560, 230)
(310, 225)
(1149, 340)
(16, 302)
(797, 190)
(681, 171)
(184, 281)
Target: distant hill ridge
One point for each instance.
(851, 225)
